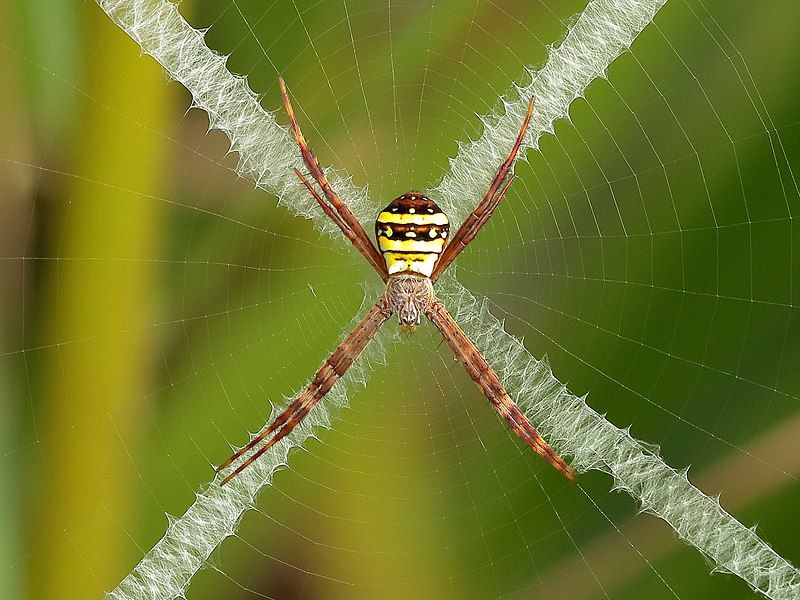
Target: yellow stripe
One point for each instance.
(413, 219)
(418, 245)
(422, 263)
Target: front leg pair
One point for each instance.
(332, 205)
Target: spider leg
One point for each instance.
(335, 366)
(328, 210)
(489, 383)
(346, 220)
(478, 217)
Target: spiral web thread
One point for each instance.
(267, 155)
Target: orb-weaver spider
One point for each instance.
(412, 237)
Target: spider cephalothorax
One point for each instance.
(414, 248)
(410, 296)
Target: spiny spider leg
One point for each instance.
(356, 233)
(328, 210)
(478, 217)
(335, 366)
(481, 372)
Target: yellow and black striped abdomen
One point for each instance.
(412, 232)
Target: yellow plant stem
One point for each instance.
(99, 299)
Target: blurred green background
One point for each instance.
(151, 302)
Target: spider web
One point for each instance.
(647, 250)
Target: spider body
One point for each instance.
(414, 248)
(411, 233)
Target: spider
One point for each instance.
(413, 251)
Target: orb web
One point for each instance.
(646, 249)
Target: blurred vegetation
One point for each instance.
(151, 302)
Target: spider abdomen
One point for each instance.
(411, 232)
